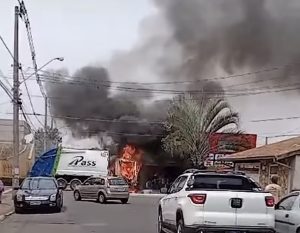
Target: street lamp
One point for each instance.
(47, 63)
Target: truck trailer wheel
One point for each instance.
(74, 183)
(62, 183)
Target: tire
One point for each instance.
(18, 210)
(160, 223)
(180, 227)
(74, 183)
(124, 201)
(77, 195)
(62, 183)
(101, 198)
(298, 230)
(58, 209)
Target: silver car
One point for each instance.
(103, 189)
(287, 214)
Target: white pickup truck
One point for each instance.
(201, 201)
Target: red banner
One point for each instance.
(229, 143)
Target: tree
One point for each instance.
(190, 122)
(53, 138)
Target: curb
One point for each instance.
(4, 216)
(7, 191)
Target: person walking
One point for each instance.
(1, 190)
(274, 188)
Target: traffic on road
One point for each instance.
(149, 116)
(197, 201)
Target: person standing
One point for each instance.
(1, 190)
(274, 188)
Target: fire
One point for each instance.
(130, 163)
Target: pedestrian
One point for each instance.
(274, 188)
(1, 190)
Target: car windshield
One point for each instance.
(220, 182)
(37, 183)
(117, 181)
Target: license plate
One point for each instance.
(120, 190)
(35, 203)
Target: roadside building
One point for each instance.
(6, 130)
(281, 158)
(26, 155)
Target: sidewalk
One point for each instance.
(6, 208)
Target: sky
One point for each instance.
(90, 32)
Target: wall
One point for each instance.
(6, 130)
(283, 173)
(26, 160)
(295, 181)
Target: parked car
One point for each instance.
(103, 189)
(287, 214)
(201, 201)
(37, 193)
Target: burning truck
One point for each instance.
(128, 165)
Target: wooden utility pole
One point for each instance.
(45, 125)
(16, 104)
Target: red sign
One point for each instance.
(230, 143)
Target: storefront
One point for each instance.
(281, 158)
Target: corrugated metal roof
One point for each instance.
(277, 150)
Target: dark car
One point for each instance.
(38, 193)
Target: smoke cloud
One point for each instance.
(180, 44)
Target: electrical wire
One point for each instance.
(204, 79)
(24, 16)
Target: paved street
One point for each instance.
(87, 217)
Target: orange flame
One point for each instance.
(130, 165)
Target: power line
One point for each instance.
(29, 97)
(265, 70)
(99, 119)
(24, 16)
(277, 119)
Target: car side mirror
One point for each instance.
(16, 188)
(276, 207)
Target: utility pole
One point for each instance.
(45, 126)
(266, 142)
(16, 104)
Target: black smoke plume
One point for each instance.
(182, 44)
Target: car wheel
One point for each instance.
(124, 201)
(62, 183)
(74, 183)
(18, 210)
(58, 209)
(101, 198)
(298, 230)
(180, 226)
(160, 223)
(77, 196)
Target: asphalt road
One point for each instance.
(138, 216)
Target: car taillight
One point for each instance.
(270, 201)
(198, 198)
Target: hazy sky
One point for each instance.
(89, 32)
(84, 33)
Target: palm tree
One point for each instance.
(190, 122)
